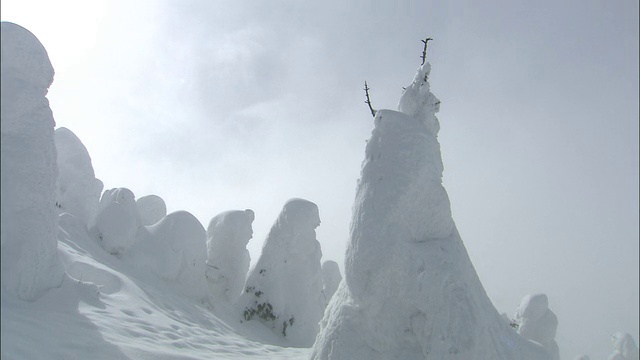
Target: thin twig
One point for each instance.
(368, 101)
(424, 51)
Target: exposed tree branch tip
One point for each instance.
(368, 101)
(424, 50)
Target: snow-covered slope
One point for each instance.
(109, 309)
(410, 290)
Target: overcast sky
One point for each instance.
(218, 105)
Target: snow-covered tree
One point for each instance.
(30, 261)
(624, 348)
(284, 289)
(410, 290)
(151, 209)
(78, 189)
(227, 256)
(117, 221)
(535, 321)
(331, 278)
(174, 249)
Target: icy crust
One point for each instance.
(284, 289)
(536, 322)
(227, 256)
(331, 278)
(30, 262)
(624, 348)
(78, 190)
(410, 290)
(151, 209)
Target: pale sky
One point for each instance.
(218, 105)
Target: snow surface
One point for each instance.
(410, 290)
(227, 256)
(109, 309)
(30, 263)
(284, 288)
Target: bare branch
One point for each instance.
(368, 101)
(424, 51)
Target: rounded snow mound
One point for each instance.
(227, 256)
(24, 57)
(151, 208)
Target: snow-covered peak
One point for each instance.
(24, 58)
(418, 102)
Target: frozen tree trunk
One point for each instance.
(30, 262)
(410, 290)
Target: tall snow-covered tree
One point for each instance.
(227, 256)
(284, 288)
(410, 289)
(30, 261)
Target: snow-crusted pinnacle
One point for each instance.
(418, 102)
(410, 289)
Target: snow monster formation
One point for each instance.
(228, 259)
(151, 208)
(410, 289)
(536, 322)
(30, 261)
(624, 348)
(331, 278)
(78, 189)
(284, 289)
